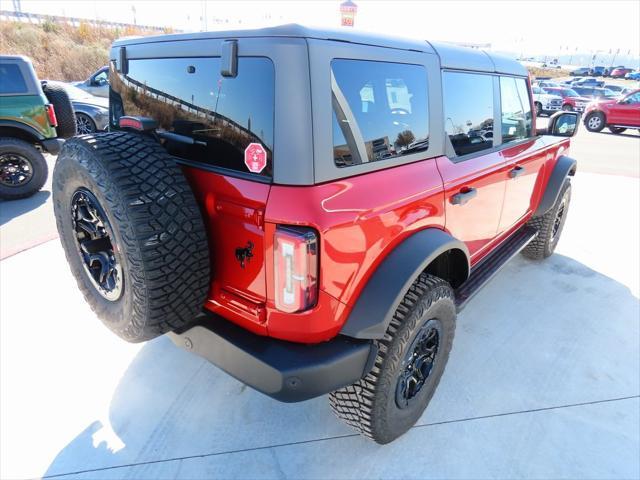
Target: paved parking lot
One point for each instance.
(543, 380)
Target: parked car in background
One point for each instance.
(35, 117)
(547, 83)
(545, 102)
(616, 115)
(608, 70)
(97, 84)
(587, 82)
(595, 92)
(619, 89)
(596, 71)
(619, 72)
(579, 72)
(571, 100)
(91, 112)
(635, 75)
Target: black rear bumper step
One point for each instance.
(490, 265)
(286, 371)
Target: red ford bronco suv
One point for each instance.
(309, 209)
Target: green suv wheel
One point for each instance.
(23, 169)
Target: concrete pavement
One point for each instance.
(543, 380)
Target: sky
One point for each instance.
(508, 25)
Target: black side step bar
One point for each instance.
(490, 265)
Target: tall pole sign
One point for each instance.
(348, 11)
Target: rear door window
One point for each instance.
(516, 109)
(214, 119)
(379, 110)
(11, 79)
(468, 111)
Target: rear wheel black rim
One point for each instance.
(96, 244)
(15, 170)
(557, 222)
(418, 363)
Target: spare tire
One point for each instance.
(59, 98)
(132, 233)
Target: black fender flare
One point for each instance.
(564, 167)
(384, 291)
(29, 130)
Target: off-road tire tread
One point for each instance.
(354, 404)
(65, 114)
(39, 164)
(160, 224)
(537, 249)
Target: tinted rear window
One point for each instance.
(11, 80)
(379, 111)
(189, 97)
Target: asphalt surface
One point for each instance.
(543, 379)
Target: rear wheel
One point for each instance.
(594, 122)
(617, 130)
(549, 227)
(23, 169)
(567, 107)
(132, 233)
(410, 362)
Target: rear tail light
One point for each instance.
(51, 115)
(296, 268)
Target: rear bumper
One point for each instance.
(52, 145)
(286, 371)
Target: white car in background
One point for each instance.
(97, 84)
(545, 102)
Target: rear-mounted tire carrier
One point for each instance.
(132, 233)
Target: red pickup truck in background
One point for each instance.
(571, 100)
(617, 115)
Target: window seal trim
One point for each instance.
(224, 171)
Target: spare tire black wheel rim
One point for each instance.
(15, 170)
(96, 244)
(418, 363)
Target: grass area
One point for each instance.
(547, 72)
(61, 51)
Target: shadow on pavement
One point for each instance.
(623, 134)
(14, 208)
(538, 331)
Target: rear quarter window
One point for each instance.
(215, 118)
(11, 79)
(380, 110)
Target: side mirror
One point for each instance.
(563, 124)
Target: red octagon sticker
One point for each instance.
(255, 157)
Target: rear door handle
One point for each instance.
(516, 171)
(464, 196)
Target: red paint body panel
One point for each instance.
(233, 211)
(360, 220)
(476, 222)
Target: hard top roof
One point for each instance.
(451, 56)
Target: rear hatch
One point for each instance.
(221, 130)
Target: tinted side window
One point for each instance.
(516, 110)
(11, 80)
(381, 105)
(215, 118)
(468, 111)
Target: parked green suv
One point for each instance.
(35, 117)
